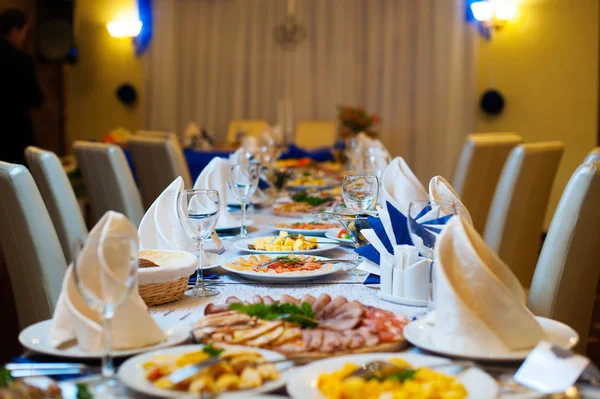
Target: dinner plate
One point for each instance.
(332, 234)
(420, 332)
(304, 187)
(132, 373)
(242, 245)
(306, 232)
(285, 277)
(303, 382)
(37, 336)
(238, 225)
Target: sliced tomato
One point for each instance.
(342, 233)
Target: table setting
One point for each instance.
(379, 288)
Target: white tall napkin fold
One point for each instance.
(480, 304)
(214, 177)
(277, 133)
(441, 190)
(400, 186)
(160, 227)
(250, 144)
(132, 325)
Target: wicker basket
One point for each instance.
(159, 293)
(167, 282)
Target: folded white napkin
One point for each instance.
(250, 145)
(265, 139)
(160, 227)
(214, 177)
(132, 325)
(480, 304)
(237, 157)
(441, 190)
(400, 186)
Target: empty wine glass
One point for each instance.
(243, 180)
(105, 272)
(426, 220)
(353, 224)
(360, 192)
(198, 212)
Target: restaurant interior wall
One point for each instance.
(545, 63)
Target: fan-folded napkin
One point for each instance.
(480, 304)
(132, 324)
(214, 177)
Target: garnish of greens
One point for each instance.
(287, 259)
(5, 377)
(314, 201)
(212, 351)
(83, 392)
(400, 376)
(302, 315)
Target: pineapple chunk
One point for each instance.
(283, 234)
(259, 244)
(288, 241)
(298, 245)
(300, 237)
(311, 239)
(287, 248)
(278, 241)
(277, 248)
(270, 247)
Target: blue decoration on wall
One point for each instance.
(142, 41)
(486, 32)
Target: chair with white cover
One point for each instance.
(478, 171)
(516, 218)
(32, 253)
(157, 162)
(58, 195)
(249, 127)
(156, 133)
(567, 272)
(593, 155)
(108, 181)
(315, 134)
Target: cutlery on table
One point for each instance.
(369, 369)
(48, 369)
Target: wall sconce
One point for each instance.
(494, 13)
(124, 28)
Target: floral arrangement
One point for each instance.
(117, 136)
(354, 120)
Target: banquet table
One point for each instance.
(188, 310)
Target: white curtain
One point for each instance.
(410, 61)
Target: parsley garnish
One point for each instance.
(302, 315)
(5, 377)
(83, 392)
(212, 351)
(314, 201)
(400, 376)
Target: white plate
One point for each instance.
(290, 230)
(284, 277)
(242, 245)
(304, 187)
(36, 338)
(332, 234)
(419, 333)
(131, 373)
(400, 300)
(303, 382)
(249, 222)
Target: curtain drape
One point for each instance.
(410, 61)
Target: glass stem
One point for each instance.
(243, 231)
(108, 370)
(200, 269)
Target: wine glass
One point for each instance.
(105, 287)
(360, 192)
(353, 224)
(243, 180)
(198, 213)
(426, 220)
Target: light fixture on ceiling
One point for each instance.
(124, 27)
(290, 33)
(494, 13)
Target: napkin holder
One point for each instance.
(405, 285)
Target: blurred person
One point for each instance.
(19, 88)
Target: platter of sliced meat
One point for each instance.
(303, 329)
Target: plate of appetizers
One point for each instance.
(229, 371)
(285, 243)
(304, 329)
(283, 268)
(340, 235)
(306, 227)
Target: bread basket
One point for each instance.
(167, 282)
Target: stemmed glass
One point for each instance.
(426, 220)
(354, 224)
(106, 286)
(360, 192)
(243, 181)
(198, 213)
